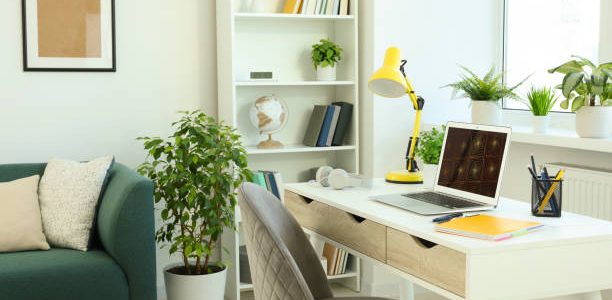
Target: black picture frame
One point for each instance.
(27, 68)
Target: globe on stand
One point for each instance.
(269, 115)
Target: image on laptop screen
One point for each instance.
(472, 160)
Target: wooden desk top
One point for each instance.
(569, 229)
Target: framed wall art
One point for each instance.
(69, 35)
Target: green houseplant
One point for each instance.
(485, 93)
(428, 150)
(325, 56)
(196, 171)
(540, 101)
(587, 89)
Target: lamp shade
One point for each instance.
(388, 81)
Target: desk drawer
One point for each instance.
(433, 263)
(310, 214)
(363, 235)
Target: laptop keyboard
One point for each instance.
(441, 200)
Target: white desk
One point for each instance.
(570, 255)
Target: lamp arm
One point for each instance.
(417, 103)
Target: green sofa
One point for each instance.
(121, 263)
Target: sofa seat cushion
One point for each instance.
(61, 274)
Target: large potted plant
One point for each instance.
(540, 101)
(196, 171)
(485, 93)
(428, 150)
(587, 89)
(325, 56)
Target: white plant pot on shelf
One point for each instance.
(429, 174)
(326, 73)
(540, 124)
(486, 112)
(194, 287)
(594, 121)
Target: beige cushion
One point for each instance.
(20, 221)
(68, 194)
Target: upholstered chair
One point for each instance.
(282, 261)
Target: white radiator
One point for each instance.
(586, 191)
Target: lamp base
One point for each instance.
(404, 177)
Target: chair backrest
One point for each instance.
(282, 261)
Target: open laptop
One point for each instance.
(469, 172)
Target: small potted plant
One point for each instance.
(196, 171)
(485, 93)
(428, 150)
(540, 101)
(589, 93)
(325, 57)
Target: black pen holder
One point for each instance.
(546, 197)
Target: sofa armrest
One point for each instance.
(126, 228)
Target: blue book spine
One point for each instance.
(273, 186)
(329, 115)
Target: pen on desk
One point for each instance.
(447, 218)
(551, 190)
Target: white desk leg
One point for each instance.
(586, 296)
(407, 291)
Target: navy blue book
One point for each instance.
(273, 185)
(329, 115)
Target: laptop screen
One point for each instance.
(472, 160)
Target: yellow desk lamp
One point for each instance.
(390, 81)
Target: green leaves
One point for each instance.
(488, 88)
(326, 53)
(571, 66)
(430, 145)
(195, 171)
(541, 100)
(570, 82)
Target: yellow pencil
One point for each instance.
(550, 192)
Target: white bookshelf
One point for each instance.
(281, 43)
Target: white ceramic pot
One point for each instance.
(429, 174)
(540, 124)
(594, 121)
(486, 112)
(194, 287)
(326, 74)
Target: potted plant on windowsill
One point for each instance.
(589, 93)
(196, 171)
(325, 57)
(540, 101)
(428, 150)
(485, 93)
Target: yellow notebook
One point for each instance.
(487, 227)
(292, 6)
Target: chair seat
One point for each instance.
(61, 274)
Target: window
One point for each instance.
(542, 34)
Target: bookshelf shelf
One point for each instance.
(279, 16)
(281, 43)
(298, 149)
(294, 83)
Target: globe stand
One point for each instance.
(270, 144)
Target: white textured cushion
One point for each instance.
(20, 222)
(68, 194)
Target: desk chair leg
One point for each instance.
(407, 291)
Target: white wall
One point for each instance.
(166, 61)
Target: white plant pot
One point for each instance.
(540, 124)
(326, 74)
(486, 112)
(594, 121)
(429, 174)
(194, 287)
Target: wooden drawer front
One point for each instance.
(433, 263)
(363, 235)
(310, 214)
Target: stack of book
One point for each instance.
(328, 125)
(317, 7)
(337, 259)
(269, 180)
